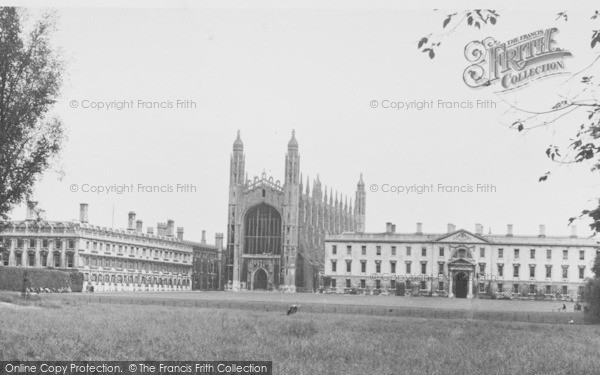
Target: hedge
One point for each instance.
(12, 278)
(400, 289)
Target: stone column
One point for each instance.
(470, 286)
(37, 257)
(11, 256)
(63, 253)
(450, 284)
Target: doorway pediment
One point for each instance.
(461, 264)
(461, 236)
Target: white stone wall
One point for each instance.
(490, 258)
(174, 254)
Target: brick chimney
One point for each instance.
(451, 228)
(509, 230)
(180, 233)
(219, 241)
(83, 213)
(131, 221)
(542, 230)
(478, 229)
(170, 228)
(419, 228)
(30, 213)
(139, 226)
(150, 230)
(203, 237)
(388, 227)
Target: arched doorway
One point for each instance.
(461, 286)
(260, 279)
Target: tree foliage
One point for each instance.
(591, 294)
(596, 267)
(473, 18)
(30, 80)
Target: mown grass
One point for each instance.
(14, 298)
(299, 344)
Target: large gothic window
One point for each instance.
(262, 230)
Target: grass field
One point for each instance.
(344, 299)
(424, 307)
(304, 343)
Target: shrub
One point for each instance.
(18, 278)
(400, 289)
(76, 280)
(489, 291)
(524, 290)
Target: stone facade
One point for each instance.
(207, 263)
(460, 263)
(110, 259)
(276, 231)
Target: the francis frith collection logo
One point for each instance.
(514, 63)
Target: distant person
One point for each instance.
(571, 321)
(564, 307)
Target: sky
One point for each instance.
(268, 68)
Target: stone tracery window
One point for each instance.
(262, 230)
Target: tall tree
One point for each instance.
(591, 295)
(30, 80)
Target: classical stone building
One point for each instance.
(110, 259)
(207, 264)
(276, 231)
(460, 263)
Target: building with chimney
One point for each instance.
(110, 259)
(460, 263)
(207, 262)
(276, 230)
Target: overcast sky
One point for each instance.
(266, 70)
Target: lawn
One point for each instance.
(424, 307)
(337, 299)
(303, 343)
